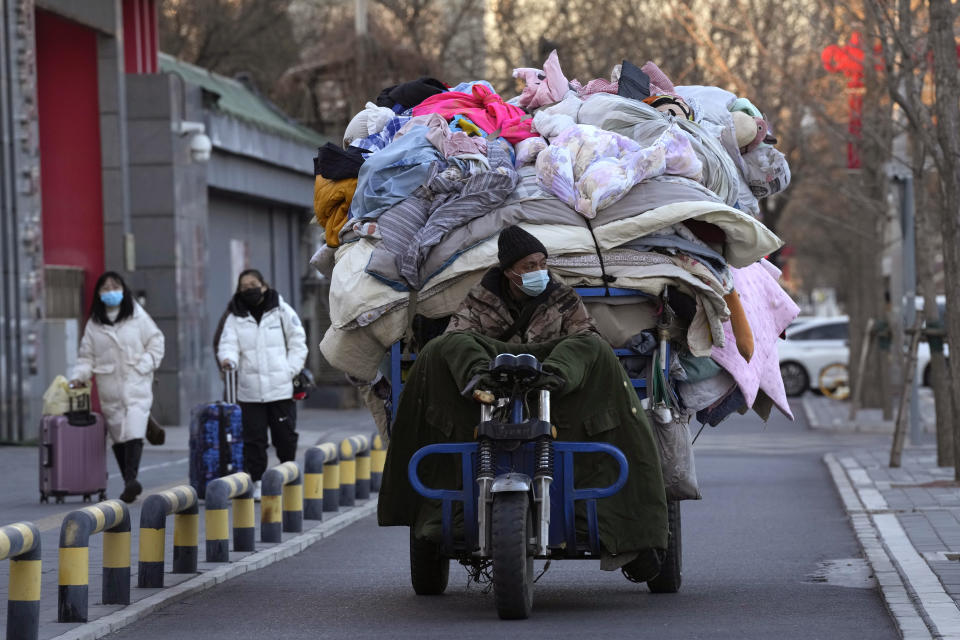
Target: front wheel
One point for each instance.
(512, 554)
(669, 578)
(429, 569)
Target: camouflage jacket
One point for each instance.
(558, 312)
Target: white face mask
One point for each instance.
(533, 283)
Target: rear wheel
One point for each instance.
(429, 569)
(511, 529)
(834, 381)
(795, 378)
(669, 578)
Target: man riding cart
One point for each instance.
(517, 308)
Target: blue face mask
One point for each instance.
(112, 298)
(533, 283)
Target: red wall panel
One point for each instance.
(140, 37)
(70, 163)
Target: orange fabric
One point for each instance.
(741, 327)
(331, 205)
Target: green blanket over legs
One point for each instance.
(597, 404)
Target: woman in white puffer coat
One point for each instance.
(122, 347)
(263, 339)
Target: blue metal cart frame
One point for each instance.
(563, 495)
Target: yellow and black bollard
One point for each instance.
(113, 518)
(378, 459)
(362, 444)
(281, 501)
(239, 488)
(181, 501)
(314, 467)
(21, 543)
(348, 472)
(331, 481)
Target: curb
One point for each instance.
(913, 594)
(142, 608)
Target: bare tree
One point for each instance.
(944, 46)
(904, 33)
(253, 37)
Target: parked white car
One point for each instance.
(813, 344)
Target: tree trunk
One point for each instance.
(947, 85)
(926, 222)
(872, 212)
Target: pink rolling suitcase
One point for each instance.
(73, 459)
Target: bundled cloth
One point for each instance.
(407, 95)
(368, 314)
(589, 168)
(393, 173)
(449, 199)
(336, 163)
(542, 87)
(368, 122)
(484, 108)
(653, 190)
(331, 205)
(451, 142)
(644, 125)
(769, 311)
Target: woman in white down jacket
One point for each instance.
(122, 347)
(263, 339)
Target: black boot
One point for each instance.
(646, 566)
(131, 489)
(119, 452)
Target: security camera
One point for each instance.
(200, 147)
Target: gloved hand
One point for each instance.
(550, 381)
(483, 380)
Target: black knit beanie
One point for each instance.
(514, 244)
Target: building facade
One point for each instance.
(118, 157)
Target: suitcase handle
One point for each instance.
(79, 414)
(230, 385)
(47, 452)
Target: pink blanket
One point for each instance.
(484, 108)
(769, 311)
(543, 87)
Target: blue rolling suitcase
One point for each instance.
(216, 438)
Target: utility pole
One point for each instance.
(360, 27)
(909, 259)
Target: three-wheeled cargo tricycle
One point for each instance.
(518, 493)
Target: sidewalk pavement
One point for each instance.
(18, 502)
(907, 520)
(834, 415)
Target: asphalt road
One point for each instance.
(769, 519)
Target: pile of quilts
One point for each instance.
(630, 182)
